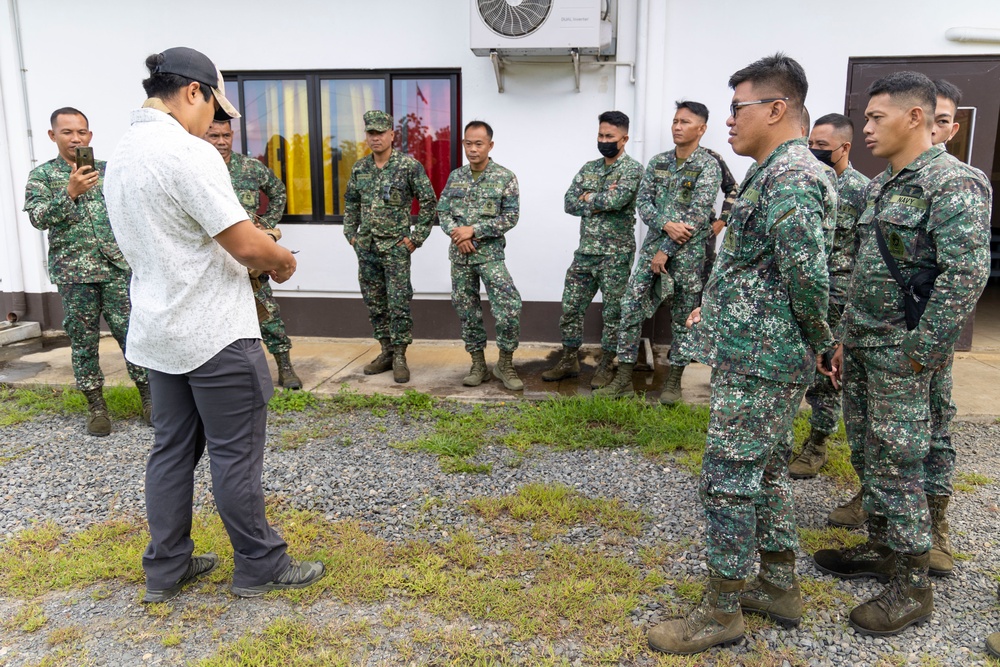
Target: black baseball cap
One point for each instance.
(195, 65)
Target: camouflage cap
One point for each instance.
(377, 121)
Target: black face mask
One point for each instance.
(608, 148)
(824, 155)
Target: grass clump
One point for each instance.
(21, 404)
(457, 438)
(287, 400)
(29, 618)
(286, 642)
(833, 537)
(969, 482)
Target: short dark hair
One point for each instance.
(616, 118)
(697, 108)
(164, 85)
(841, 123)
(913, 86)
(479, 123)
(949, 91)
(67, 111)
(224, 121)
(779, 72)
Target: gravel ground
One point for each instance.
(74, 480)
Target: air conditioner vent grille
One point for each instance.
(514, 18)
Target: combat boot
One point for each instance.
(147, 402)
(942, 561)
(98, 421)
(775, 592)
(504, 371)
(621, 385)
(849, 515)
(400, 371)
(907, 600)
(672, 387)
(993, 644)
(286, 374)
(568, 366)
(479, 373)
(605, 371)
(383, 361)
(812, 457)
(716, 621)
(872, 558)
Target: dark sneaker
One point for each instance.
(868, 559)
(296, 575)
(197, 567)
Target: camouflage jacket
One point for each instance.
(728, 186)
(378, 201)
(251, 177)
(764, 307)
(82, 247)
(850, 204)
(607, 224)
(672, 192)
(935, 212)
(491, 205)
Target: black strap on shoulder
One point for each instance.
(889, 261)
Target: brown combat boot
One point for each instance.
(504, 371)
(672, 387)
(993, 644)
(942, 561)
(479, 373)
(605, 370)
(383, 361)
(849, 515)
(907, 600)
(147, 402)
(812, 457)
(872, 558)
(286, 374)
(568, 366)
(621, 385)
(400, 371)
(716, 621)
(98, 421)
(775, 592)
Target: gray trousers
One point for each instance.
(222, 404)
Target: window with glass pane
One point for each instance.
(232, 93)
(422, 109)
(343, 104)
(276, 120)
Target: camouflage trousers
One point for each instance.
(821, 396)
(710, 255)
(83, 305)
(744, 483)
(685, 268)
(272, 330)
(385, 286)
(584, 277)
(505, 304)
(645, 292)
(886, 412)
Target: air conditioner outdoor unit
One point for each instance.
(540, 28)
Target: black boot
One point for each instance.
(286, 374)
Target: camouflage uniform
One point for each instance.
(933, 212)
(729, 189)
(763, 320)
(250, 178)
(376, 219)
(489, 204)
(671, 191)
(85, 264)
(821, 396)
(603, 260)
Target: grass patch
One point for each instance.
(286, 642)
(29, 618)
(832, 537)
(969, 482)
(287, 400)
(458, 437)
(21, 404)
(66, 635)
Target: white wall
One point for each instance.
(544, 129)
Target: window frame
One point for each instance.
(314, 79)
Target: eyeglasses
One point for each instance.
(736, 106)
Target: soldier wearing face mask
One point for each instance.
(830, 142)
(602, 195)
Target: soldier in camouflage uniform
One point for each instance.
(729, 188)
(377, 205)
(675, 200)
(478, 206)
(933, 213)
(761, 326)
(85, 262)
(602, 194)
(830, 142)
(250, 177)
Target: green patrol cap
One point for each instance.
(377, 121)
